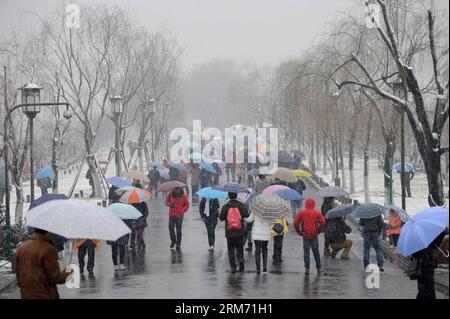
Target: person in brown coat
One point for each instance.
(37, 268)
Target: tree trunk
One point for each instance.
(19, 201)
(388, 169)
(341, 156)
(351, 155)
(366, 158)
(55, 145)
(141, 141)
(324, 155)
(434, 176)
(318, 148)
(88, 139)
(312, 161)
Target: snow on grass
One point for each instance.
(419, 185)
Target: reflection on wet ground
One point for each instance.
(197, 273)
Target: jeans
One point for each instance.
(211, 224)
(312, 244)
(277, 248)
(346, 245)
(236, 247)
(44, 191)
(137, 233)
(261, 247)
(89, 248)
(372, 239)
(118, 250)
(175, 224)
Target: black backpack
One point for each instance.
(330, 231)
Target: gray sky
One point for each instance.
(264, 31)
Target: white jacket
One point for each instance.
(261, 227)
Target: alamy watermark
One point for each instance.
(72, 16)
(237, 145)
(73, 281)
(373, 277)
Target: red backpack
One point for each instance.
(234, 219)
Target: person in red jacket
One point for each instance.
(309, 223)
(178, 203)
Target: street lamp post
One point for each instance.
(30, 102)
(337, 180)
(31, 96)
(117, 109)
(399, 92)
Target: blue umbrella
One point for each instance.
(230, 187)
(125, 211)
(210, 193)
(154, 164)
(367, 211)
(208, 167)
(58, 241)
(118, 182)
(340, 211)
(403, 215)
(45, 172)
(421, 230)
(178, 166)
(409, 167)
(289, 194)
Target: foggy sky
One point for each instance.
(263, 31)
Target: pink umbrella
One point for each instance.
(271, 189)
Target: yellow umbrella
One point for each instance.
(301, 173)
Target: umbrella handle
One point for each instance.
(446, 255)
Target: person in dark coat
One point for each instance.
(44, 184)
(335, 233)
(154, 176)
(91, 182)
(205, 178)
(37, 268)
(174, 174)
(427, 263)
(113, 197)
(118, 248)
(209, 213)
(372, 228)
(327, 204)
(138, 227)
(235, 237)
(408, 178)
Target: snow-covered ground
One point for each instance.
(65, 184)
(419, 186)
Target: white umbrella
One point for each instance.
(77, 219)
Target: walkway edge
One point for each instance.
(8, 284)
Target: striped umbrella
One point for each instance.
(135, 196)
(170, 185)
(368, 211)
(269, 206)
(230, 187)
